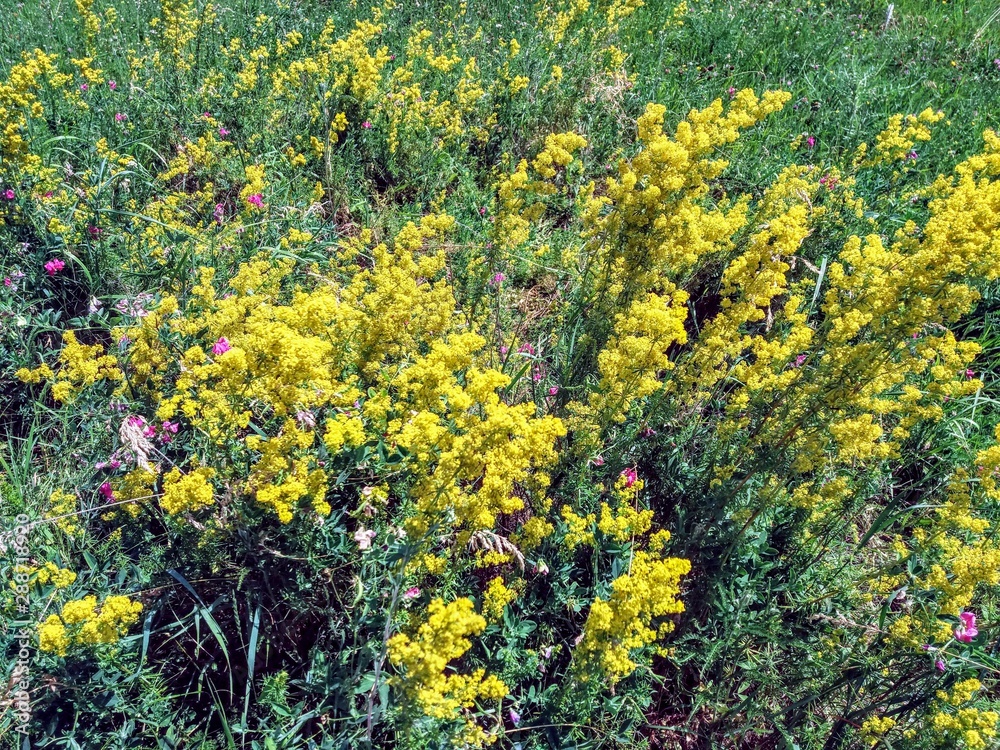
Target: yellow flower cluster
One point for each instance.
(973, 728)
(183, 493)
(62, 507)
(626, 621)
(521, 197)
(423, 658)
(82, 623)
(80, 366)
(495, 598)
(896, 142)
(58, 577)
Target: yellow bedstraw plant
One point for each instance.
(310, 382)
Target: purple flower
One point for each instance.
(497, 280)
(515, 717)
(107, 492)
(112, 85)
(221, 346)
(84, 87)
(630, 475)
(256, 199)
(8, 194)
(366, 125)
(120, 117)
(223, 132)
(810, 141)
(940, 665)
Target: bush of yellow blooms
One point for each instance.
(370, 395)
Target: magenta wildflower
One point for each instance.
(515, 717)
(54, 266)
(553, 390)
(366, 125)
(112, 85)
(219, 213)
(967, 630)
(120, 117)
(497, 280)
(630, 475)
(84, 87)
(810, 141)
(970, 374)
(411, 593)
(940, 665)
(107, 492)
(221, 346)
(223, 132)
(7, 281)
(256, 199)
(8, 194)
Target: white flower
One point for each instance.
(364, 538)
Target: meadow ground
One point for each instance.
(588, 373)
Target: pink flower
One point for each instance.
(411, 593)
(219, 213)
(366, 125)
(120, 117)
(970, 374)
(112, 85)
(8, 194)
(647, 431)
(630, 475)
(553, 390)
(482, 210)
(54, 266)
(364, 538)
(84, 87)
(221, 346)
(800, 360)
(940, 665)
(967, 630)
(810, 141)
(731, 91)
(497, 279)
(912, 155)
(526, 349)
(149, 430)
(107, 492)
(597, 460)
(256, 199)
(223, 132)
(94, 231)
